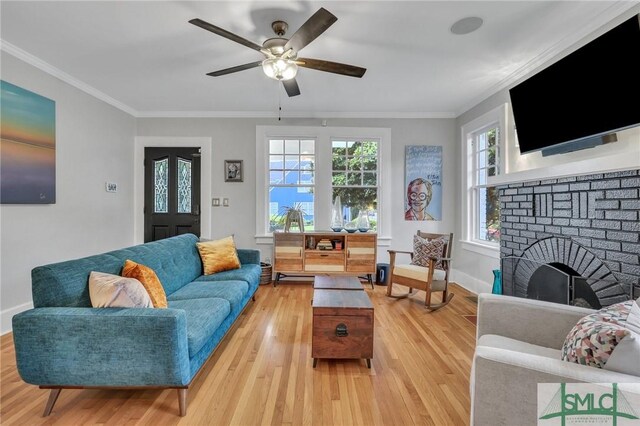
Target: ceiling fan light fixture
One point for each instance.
(279, 68)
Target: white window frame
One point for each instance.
(497, 117)
(323, 196)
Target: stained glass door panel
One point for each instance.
(172, 192)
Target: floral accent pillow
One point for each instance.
(423, 249)
(594, 338)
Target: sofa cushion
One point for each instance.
(501, 342)
(149, 280)
(249, 273)
(204, 316)
(218, 255)
(114, 291)
(595, 337)
(231, 291)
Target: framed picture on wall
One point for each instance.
(233, 171)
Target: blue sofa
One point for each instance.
(65, 343)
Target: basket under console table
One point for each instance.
(298, 254)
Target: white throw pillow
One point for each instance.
(114, 291)
(626, 356)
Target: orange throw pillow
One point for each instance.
(218, 255)
(149, 280)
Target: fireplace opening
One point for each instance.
(561, 270)
(559, 283)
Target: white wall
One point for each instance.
(94, 144)
(234, 138)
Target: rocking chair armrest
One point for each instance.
(400, 251)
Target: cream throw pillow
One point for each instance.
(114, 291)
(218, 255)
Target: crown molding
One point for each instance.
(612, 16)
(292, 114)
(58, 73)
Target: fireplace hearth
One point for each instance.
(572, 240)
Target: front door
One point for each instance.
(171, 192)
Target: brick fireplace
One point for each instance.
(586, 228)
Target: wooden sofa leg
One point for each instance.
(53, 397)
(182, 401)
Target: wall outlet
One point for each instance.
(111, 186)
(225, 202)
(215, 202)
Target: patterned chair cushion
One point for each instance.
(594, 339)
(423, 249)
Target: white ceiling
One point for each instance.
(146, 55)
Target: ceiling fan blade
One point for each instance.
(316, 25)
(224, 33)
(334, 67)
(291, 86)
(235, 69)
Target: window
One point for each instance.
(309, 166)
(354, 178)
(483, 144)
(291, 180)
(486, 205)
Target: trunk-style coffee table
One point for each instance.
(342, 325)
(328, 282)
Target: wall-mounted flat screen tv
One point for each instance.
(593, 91)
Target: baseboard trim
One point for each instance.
(470, 283)
(7, 315)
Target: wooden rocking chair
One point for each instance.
(428, 279)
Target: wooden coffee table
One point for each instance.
(342, 325)
(328, 282)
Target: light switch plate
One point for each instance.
(215, 202)
(225, 202)
(111, 186)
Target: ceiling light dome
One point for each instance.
(279, 68)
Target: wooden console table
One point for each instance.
(296, 253)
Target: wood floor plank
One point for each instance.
(262, 373)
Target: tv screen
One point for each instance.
(591, 92)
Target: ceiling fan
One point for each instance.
(281, 54)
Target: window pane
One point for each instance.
(161, 186)
(280, 197)
(488, 214)
(307, 147)
(307, 162)
(352, 147)
(291, 177)
(370, 163)
(482, 141)
(339, 179)
(184, 185)
(291, 162)
(276, 162)
(339, 162)
(306, 178)
(276, 146)
(482, 159)
(354, 179)
(292, 146)
(369, 179)
(354, 164)
(356, 199)
(275, 177)
(482, 177)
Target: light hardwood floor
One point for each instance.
(262, 373)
